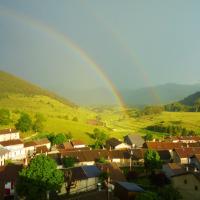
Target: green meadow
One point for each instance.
(60, 118)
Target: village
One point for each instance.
(122, 161)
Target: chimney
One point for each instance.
(25, 161)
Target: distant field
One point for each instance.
(59, 118)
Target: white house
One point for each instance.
(43, 142)
(4, 155)
(29, 148)
(16, 148)
(78, 144)
(114, 143)
(8, 134)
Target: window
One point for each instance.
(185, 181)
(196, 187)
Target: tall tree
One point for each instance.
(24, 123)
(69, 161)
(100, 138)
(148, 137)
(38, 125)
(5, 117)
(197, 104)
(152, 160)
(40, 177)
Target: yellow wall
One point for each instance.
(187, 190)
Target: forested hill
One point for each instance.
(191, 100)
(10, 84)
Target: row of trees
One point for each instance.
(171, 129)
(25, 122)
(150, 110)
(59, 138)
(179, 107)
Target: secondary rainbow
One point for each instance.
(63, 38)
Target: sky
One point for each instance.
(74, 45)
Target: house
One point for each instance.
(170, 146)
(29, 148)
(9, 175)
(114, 143)
(68, 146)
(43, 142)
(121, 157)
(80, 179)
(78, 144)
(182, 155)
(188, 184)
(172, 169)
(184, 139)
(195, 161)
(16, 148)
(9, 134)
(113, 170)
(4, 155)
(134, 140)
(165, 156)
(42, 149)
(127, 190)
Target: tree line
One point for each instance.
(171, 129)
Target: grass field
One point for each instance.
(59, 118)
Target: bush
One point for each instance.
(75, 119)
(69, 161)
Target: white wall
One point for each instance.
(9, 136)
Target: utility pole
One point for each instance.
(131, 154)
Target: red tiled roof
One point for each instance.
(42, 141)
(113, 142)
(187, 152)
(77, 142)
(67, 145)
(164, 145)
(42, 149)
(29, 144)
(9, 172)
(11, 143)
(7, 131)
(114, 171)
(94, 155)
(195, 138)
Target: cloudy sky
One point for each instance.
(135, 43)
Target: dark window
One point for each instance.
(185, 181)
(196, 187)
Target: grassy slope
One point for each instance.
(10, 84)
(55, 113)
(19, 95)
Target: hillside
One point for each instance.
(161, 94)
(18, 95)
(191, 99)
(10, 84)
